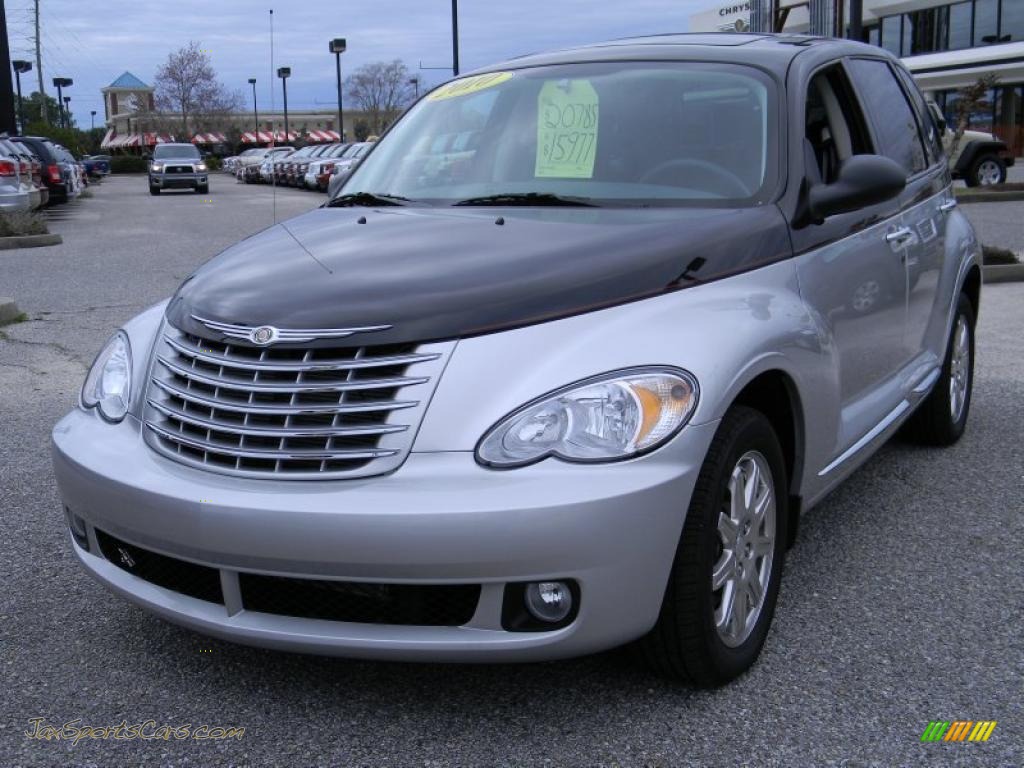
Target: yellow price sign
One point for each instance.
(567, 114)
(468, 85)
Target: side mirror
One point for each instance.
(863, 180)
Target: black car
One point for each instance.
(57, 171)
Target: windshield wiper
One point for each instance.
(528, 198)
(367, 199)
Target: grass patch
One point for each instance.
(85, 194)
(1001, 256)
(24, 223)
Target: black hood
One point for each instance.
(442, 273)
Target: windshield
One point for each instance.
(621, 133)
(174, 150)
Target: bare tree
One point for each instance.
(187, 85)
(970, 99)
(381, 90)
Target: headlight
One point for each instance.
(109, 383)
(607, 418)
(157, 167)
(201, 167)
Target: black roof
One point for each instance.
(771, 51)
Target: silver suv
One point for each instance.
(177, 166)
(560, 369)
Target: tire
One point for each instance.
(986, 171)
(154, 190)
(941, 418)
(687, 643)
(204, 189)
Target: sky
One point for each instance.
(93, 41)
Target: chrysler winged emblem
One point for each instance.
(265, 334)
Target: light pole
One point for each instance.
(455, 38)
(337, 46)
(67, 111)
(92, 120)
(284, 73)
(21, 66)
(255, 113)
(415, 83)
(59, 83)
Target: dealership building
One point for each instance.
(946, 45)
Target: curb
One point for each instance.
(1002, 273)
(9, 311)
(29, 241)
(990, 197)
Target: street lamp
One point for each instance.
(255, 114)
(92, 120)
(67, 110)
(284, 73)
(19, 67)
(59, 83)
(455, 38)
(415, 83)
(337, 46)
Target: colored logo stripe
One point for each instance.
(958, 730)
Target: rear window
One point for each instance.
(894, 121)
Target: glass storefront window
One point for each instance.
(925, 31)
(959, 26)
(986, 20)
(1013, 20)
(891, 34)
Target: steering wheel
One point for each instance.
(728, 182)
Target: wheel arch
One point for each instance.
(972, 287)
(774, 393)
(975, 149)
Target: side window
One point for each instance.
(894, 121)
(929, 128)
(834, 128)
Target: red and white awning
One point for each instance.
(265, 137)
(323, 136)
(125, 140)
(209, 138)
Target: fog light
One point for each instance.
(77, 526)
(548, 601)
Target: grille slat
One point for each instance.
(257, 386)
(308, 364)
(287, 410)
(289, 431)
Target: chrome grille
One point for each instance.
(288, 411)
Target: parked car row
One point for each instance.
(316, 166)
(35, 172)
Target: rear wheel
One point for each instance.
(986, 171)
(724, 583)
(942, 418)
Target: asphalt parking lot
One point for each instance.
(901, 603)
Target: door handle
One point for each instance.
(948, 206)
(899, 236)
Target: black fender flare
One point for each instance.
(975, 149)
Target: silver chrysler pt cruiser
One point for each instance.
(558, 368)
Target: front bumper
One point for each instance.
(439, 519)
(178, 180)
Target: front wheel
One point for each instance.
(154, 190)
(204, 189)
(724, 583)
(942, 418)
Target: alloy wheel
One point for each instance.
(988, 173)
(746, 530)
(959, 368)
